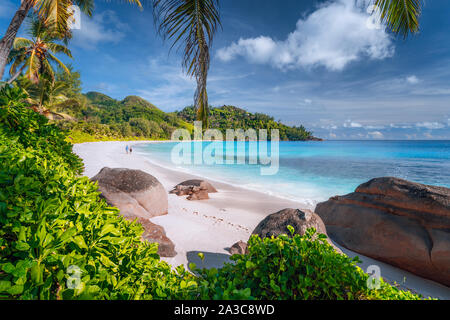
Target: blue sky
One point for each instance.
(322, 64)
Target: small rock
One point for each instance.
(194, 189)
(239, 248)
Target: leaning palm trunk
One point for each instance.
(7, 41)
(16, 75)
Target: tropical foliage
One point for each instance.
(58, 238)
(294, 268)
(55, 13)
(229, 117)
(35, 56)
(133, 118)
(400, 16)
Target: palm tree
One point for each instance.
(35, 55)
(52, 12)
(191, 24)
(49, 97)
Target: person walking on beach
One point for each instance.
(131, 150)
(126, 149)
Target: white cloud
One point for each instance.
(412, 79)
(103, 27)
(430, 125)
(352, 124)
(374, 127)
(400, 126)
(375, 135)
(332, 36)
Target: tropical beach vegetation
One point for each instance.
(55, 229)
(43, 234)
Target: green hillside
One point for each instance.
(103, 117)
(229, 117)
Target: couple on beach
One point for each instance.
(129, 149)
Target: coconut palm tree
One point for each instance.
(36, 55)
(191, 24)
(49, 97)
(52, 12)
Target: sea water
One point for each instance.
(311, 172)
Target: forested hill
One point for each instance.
(102, 117)
(230, 117)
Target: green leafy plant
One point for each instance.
(53, 223)
(304, 268)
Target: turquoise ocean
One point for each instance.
(311, 172)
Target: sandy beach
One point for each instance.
(230, 215)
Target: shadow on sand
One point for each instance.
(212, 259)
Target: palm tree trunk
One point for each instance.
(8, 40)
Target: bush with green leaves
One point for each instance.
(303, 268)
(58, 238)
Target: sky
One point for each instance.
(326, 65)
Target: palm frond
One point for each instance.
(400, 16)
(54, 12)
(17, 61)
(21, 43)
(33, 67)
(58, 48)
(52, 58)
(86, 6)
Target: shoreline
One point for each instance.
(214, 225)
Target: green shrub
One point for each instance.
(304, 268)
(54, 226)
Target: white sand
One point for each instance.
(230, 215)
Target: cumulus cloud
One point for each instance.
(430, 125)
(412, 79)
(352, 124)
(333, 36)
(104, 27)
(375, 135)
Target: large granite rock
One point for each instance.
(154, 233)
(134, 192)
(194, 189)
(403, 223)
(301, 220)
(139, 196)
